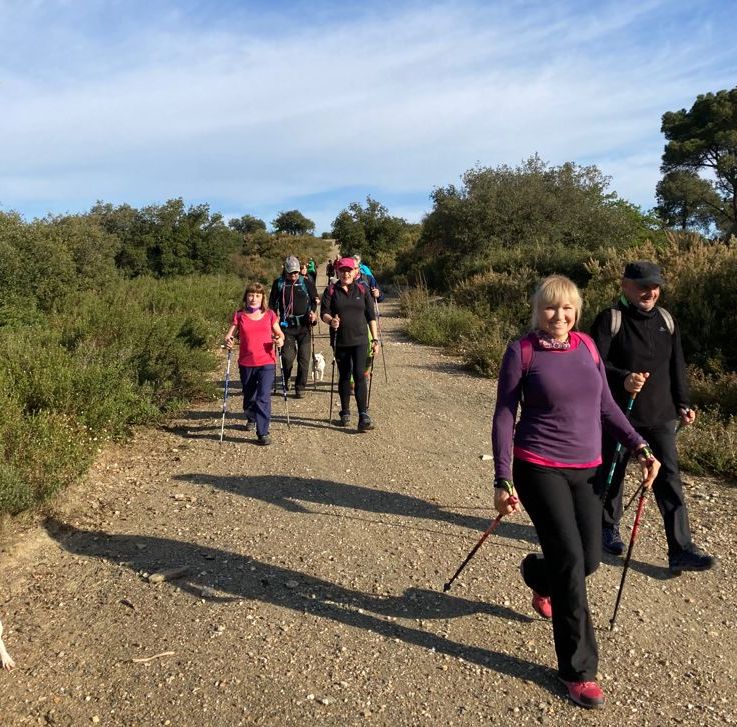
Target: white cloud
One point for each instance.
(400, 104)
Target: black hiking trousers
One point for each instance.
(566, 513)
(351, 361)
(297, 344)
(667, 488)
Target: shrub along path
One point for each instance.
(313, 589)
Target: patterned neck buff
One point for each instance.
(253, 309)
(547, 342)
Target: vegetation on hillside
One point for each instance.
(110, 319)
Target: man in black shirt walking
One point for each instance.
(640, 345)
(294, 298)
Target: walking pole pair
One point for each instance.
(381, 339)
(225, 397)
(494, 524)
(644, 491)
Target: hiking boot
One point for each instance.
(364, 423)
(249, 425)
(585, 694)
(541, 604)
(264, 440)
(692, 558)
(344, 420)
(299, 393)
(611, 541)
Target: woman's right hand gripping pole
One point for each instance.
(505, 498)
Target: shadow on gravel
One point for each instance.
(290, 493)
(233, 423)
(656, 572)
(241, 577)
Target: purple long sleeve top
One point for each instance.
(566, 401)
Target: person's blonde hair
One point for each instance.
(255, 288)
(555, 289)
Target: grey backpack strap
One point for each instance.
(668, 318)
(616, 323)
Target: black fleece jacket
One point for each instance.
(644, 343)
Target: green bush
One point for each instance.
(709, 445)
(443, 325)
(548, 218)
(715, 391)
(484, 351)
(262, 255)
(39, 453)
(106, 362)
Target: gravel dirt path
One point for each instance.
(315, 567)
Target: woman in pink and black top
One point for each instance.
(557, 377)
(258, 331)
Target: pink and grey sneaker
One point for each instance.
(585, 694)
(542, 605)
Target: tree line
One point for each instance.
(128, 301)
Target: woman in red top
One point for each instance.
(258, 331)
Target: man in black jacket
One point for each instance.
(294, 298)
(640, 345)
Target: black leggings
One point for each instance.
(351, 361)
(566, 512)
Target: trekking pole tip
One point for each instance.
(446, 587)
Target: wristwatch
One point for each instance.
(501, 484)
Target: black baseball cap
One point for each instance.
(643, 272)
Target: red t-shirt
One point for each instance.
(256, 345)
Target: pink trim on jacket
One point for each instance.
(533, 458)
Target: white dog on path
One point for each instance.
(318, 366)
(6, 660)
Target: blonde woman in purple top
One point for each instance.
(556, 377)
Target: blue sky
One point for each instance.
(258, 107)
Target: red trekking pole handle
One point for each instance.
(492, 527)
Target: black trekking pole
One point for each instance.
(283, 384)
(381, 340)
(312, 342)
(371, 381)
(632, 499)
(225, 397)
(494, 524)
(332, 379)
(617, 452)
(633, 537)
